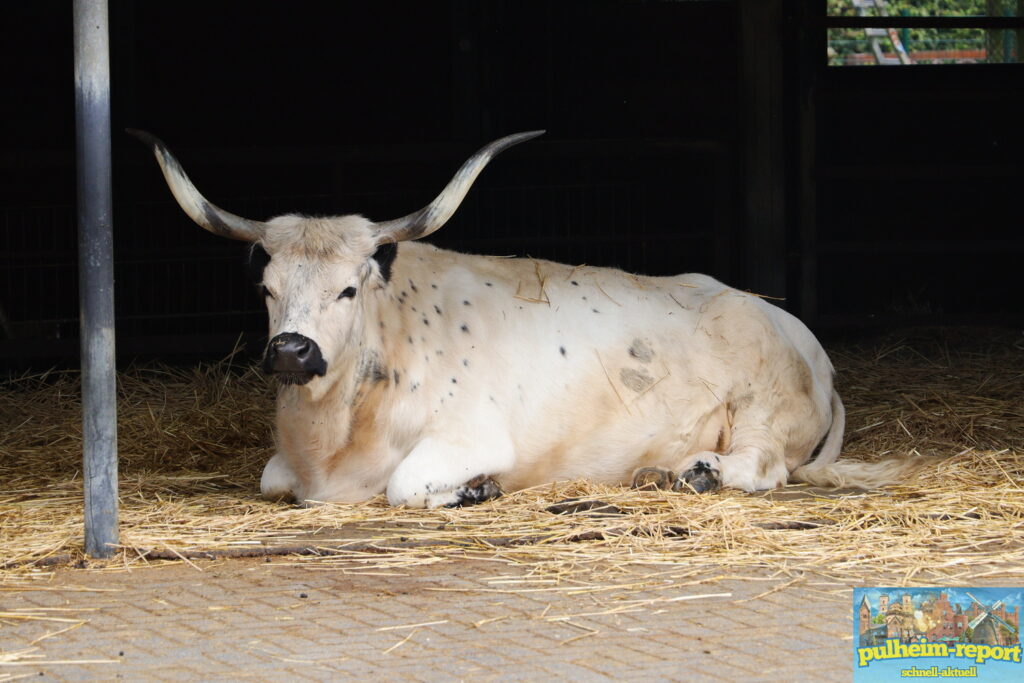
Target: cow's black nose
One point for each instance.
(294, 358)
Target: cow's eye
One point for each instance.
(266, 292)
(347, 293)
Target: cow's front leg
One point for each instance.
(279, 481)
(440, 473)
(476, 490)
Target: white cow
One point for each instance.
(443, 378)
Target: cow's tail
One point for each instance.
(824, 471)
(833, 445)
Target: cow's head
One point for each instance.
(315, 273)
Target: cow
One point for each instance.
(443, 378)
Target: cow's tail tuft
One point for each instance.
(859, 474)
(824, 471)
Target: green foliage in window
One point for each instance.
(848, 41)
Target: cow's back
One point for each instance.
(588, 369)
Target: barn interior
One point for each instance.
(877, 202)
(681, 137)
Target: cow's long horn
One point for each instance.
(206, 214)
(431, 217)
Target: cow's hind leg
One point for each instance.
(753, 458)
(749, 468)
(700, 473)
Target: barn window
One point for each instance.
(905, 32)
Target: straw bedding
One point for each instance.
(193, 442)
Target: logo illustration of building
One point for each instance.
(937, 619)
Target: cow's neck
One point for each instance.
(318, 421)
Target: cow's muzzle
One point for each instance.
(294, 359)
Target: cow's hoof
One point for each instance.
(476, 490)
(701, 477)
(650, 478)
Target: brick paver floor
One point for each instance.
(282, 619)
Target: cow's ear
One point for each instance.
(385, 256)
(258, 260)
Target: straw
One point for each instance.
(193, 442)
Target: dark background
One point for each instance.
(896, 188)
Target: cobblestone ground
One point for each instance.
(281, 620)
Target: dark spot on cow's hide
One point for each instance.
(637, 380)
(412, 286)
(437, 309)
(426, 322)
(454, 381)
(465, 302)
(741, 402)
(575, 284)
(403, 294)
(439, 352)
(804, 378)
(395, 375)
(409, 338)
(465, 362)
(488, 284)
(385, 256)
(641, 350)
(561, 350)
(595, 310)
(433, 286)
(465, 328)
(257, 263)
(371, 369)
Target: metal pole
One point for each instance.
(96, 276)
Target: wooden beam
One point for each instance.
(761, 143)
(811, 50)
